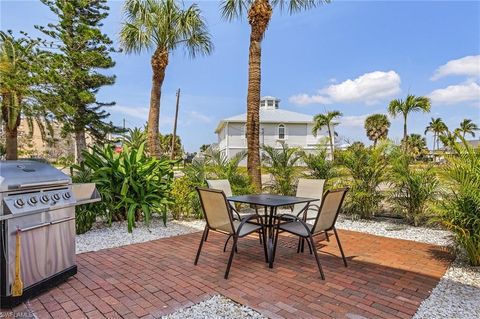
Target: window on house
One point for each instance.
(270, 102)
(281, 132)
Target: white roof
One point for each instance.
(269, 116)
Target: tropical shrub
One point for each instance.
(220, 167)
(413, 190)
(366, 168)
(319, 166)
(282, 164)
(459, 209)
(133, 185)
(212, 165)
(183, 198)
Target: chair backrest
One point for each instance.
(221, 184)
(329, 210)
(312, 188)
(216, 209)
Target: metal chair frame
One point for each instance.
(236, 232)
(287, 218)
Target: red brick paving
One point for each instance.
(386, 278)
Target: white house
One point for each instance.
(276, 126)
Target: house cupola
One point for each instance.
(269, 103)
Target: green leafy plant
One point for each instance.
(366, 168)
(319, 166)
(184, 198)
(413, 190)
(282, 164)
(459, 209)
(132, 184)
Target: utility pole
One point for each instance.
(172, 154)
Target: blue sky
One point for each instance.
(350, 56)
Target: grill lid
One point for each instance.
(28, 174)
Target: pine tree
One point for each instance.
(82, 50)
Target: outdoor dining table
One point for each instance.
(271, 203)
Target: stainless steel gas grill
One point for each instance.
(37, 205)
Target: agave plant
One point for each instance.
(459, 210)
(281, 163)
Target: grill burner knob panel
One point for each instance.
(19, 203)
(67, 195)
(56, 197)
(33, 201)
(44, 199)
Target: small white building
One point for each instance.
(276, 126)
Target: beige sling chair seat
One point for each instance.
(325, 221)
(219, 218)
(224, 185)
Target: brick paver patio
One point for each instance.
(386, 278)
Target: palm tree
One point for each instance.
(415, 145)
(162, 26)
(411, 104)
(467, 126)
(377, 126)
(437, 127)
(259, 13)
(321, 120)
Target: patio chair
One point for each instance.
(325, 221)
(219, 218)
(312, 188)
(224, 185)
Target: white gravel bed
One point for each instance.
(397, 229)
(102, 236)
(456, 296)
(217, 307)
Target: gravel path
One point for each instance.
(217, 307)
(456, 296)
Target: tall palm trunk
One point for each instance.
(331, 141)
(258, 17)
(80, 144)
(405, 131)
(433, 147)
(159, 63)
(375, 143)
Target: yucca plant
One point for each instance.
(413, 190)
(282, 164)
(459, 209)
(366, 168)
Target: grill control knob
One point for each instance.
(67, 195)
(19, 203)
(33, 201)
(44, 199)
(55, 197)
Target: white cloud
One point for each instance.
(368, 88)
(457, 93)
(468, 66)
(353, 121)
